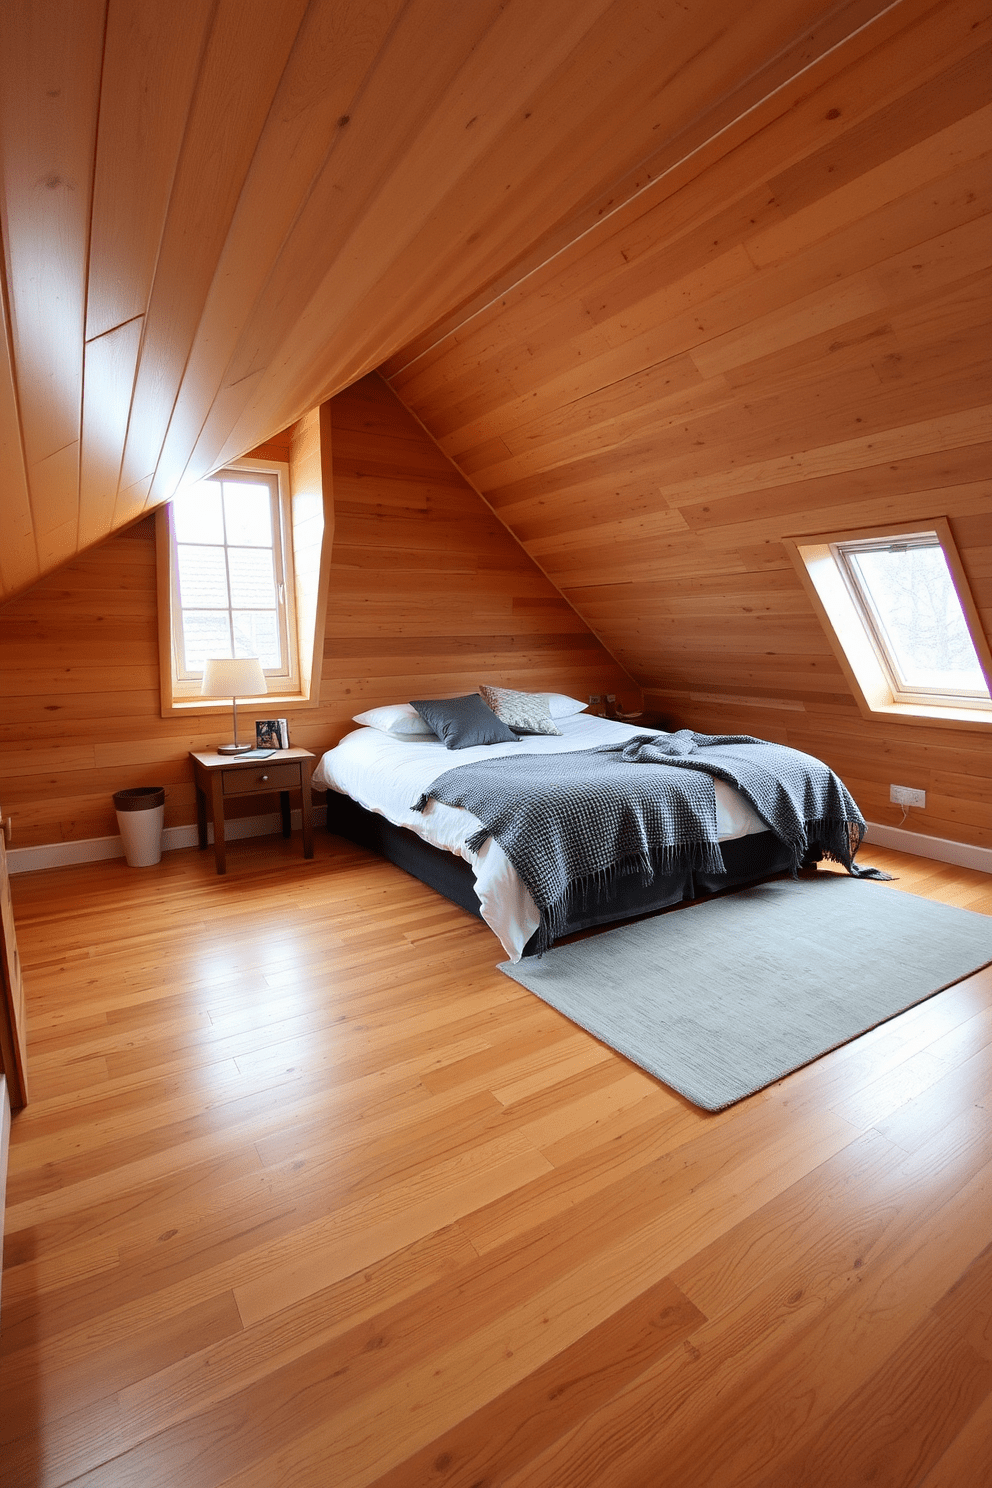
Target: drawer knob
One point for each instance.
(265, 777)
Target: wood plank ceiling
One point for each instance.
(787, 333)
(216, 213)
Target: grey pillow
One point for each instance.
(463, 721)
(524, 712)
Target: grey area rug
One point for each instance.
(722, 998)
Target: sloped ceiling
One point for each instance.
(216, 213)
(788, 333)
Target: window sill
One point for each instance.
(958, 718)
(246, 706)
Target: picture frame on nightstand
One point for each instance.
(271, 733)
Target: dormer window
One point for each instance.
(897, 609)
(243, 563)
(905, 594)
(233, 590)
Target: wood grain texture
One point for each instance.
(286, 193)
(787, 337)
(310, 1193)
(49, 98)
(426, 595)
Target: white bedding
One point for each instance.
(386, 775)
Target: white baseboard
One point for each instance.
(92, 849)
(922, 846)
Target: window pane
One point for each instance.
(205, 634)
(256, 633)
(248, 512)
(197, 514)
(921, 615)
(253, 579)
(202, 577)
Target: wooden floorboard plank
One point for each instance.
(515, 1426)
(728, 1411)
(897, 1425)
(377, 1214)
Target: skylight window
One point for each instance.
(911, 608)
(897, 609)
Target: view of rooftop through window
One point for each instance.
(913, 608)
(228, 582)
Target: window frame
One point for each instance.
(874, 622)
(285, 678)
(181, 694)
(308, 480)
(819, 561)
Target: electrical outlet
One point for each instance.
(905, 795)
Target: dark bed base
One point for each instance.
(747, 859)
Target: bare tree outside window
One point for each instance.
(913, 609)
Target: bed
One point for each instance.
(374, 780)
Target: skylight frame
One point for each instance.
(815, 559)
(904, 690)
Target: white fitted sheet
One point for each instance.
(387, 775)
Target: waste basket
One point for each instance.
(140, 812)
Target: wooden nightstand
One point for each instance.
(221, 776)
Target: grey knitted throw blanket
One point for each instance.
(566, 821)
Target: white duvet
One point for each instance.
(386, 774)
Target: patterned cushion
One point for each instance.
(524, 712)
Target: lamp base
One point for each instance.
(234, 748)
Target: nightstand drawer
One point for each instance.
(260, 778)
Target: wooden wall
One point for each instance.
(428, 594)
(788, 333)
(427, 588)
(216, 213)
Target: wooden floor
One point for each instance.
(308, 1193)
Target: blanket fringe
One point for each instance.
(701, 857)
(839, 841)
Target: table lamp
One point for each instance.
(242, 677)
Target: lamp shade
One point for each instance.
(240, 676)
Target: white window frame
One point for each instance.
(902, 690)
(286, 677)
(181, 685)
(306, 494)
(847, 619)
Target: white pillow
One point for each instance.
(398, 719)
(560, 706)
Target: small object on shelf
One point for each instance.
(595, 704)
(271, 733)
(614, 711)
